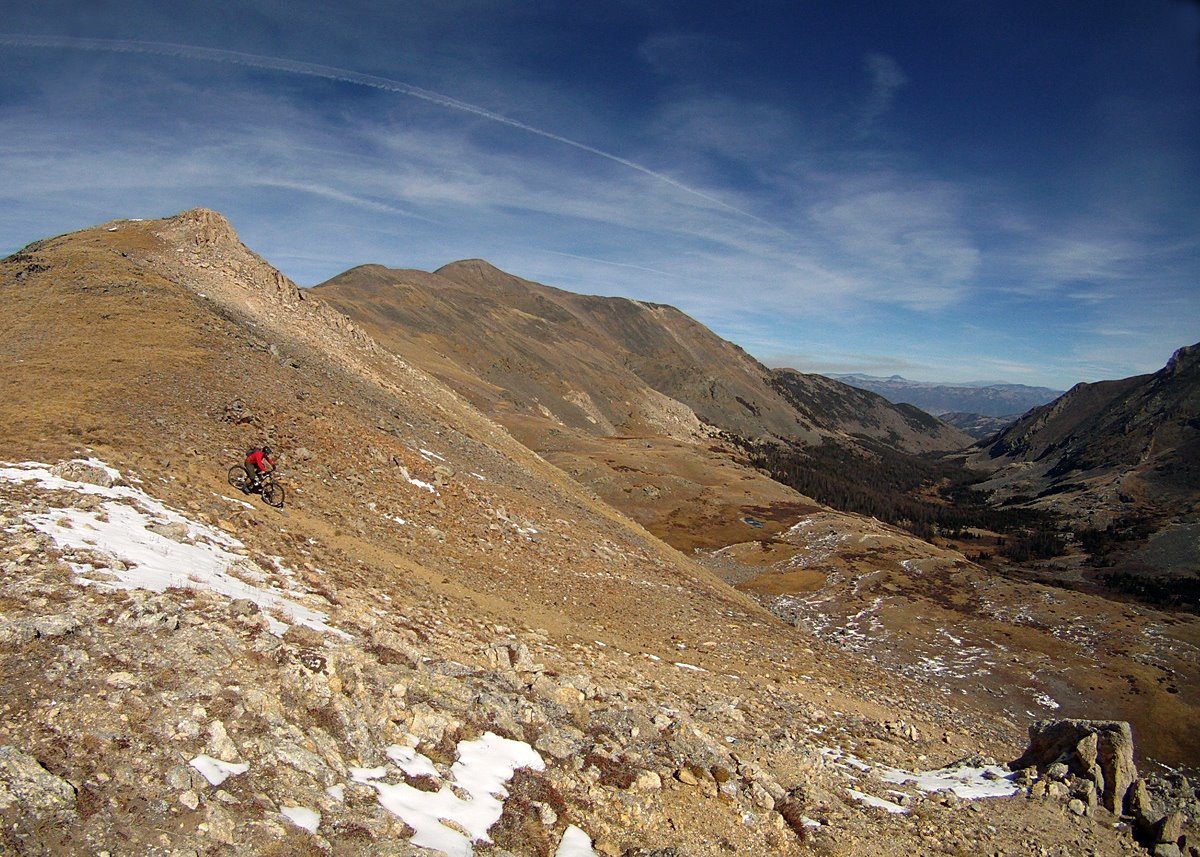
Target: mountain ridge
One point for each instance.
(639, 400)
(1116, 457)
(749, 385)
(1113, 425)
(989, 400)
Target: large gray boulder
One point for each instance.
(1096, 750)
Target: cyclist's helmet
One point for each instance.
(266, 450)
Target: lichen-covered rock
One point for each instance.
(83, 471)
(29, 788)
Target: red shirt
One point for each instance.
(257, 458)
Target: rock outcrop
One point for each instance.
(30, 793)
(1096, 750)
(1097, 757)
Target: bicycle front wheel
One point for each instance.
(272, 493)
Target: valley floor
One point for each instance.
(1022, 650)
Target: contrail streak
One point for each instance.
(610, 262)
(194, 52)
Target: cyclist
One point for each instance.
(258, 462)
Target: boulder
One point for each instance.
(83, 471)
(1097, 750)
(1168, 828)
(512, 658)
(242, 607)
(1058, 772)
(55, 626)
(1164, 836)
(648, 781)
(1137, 801)
(394, 648)
(176, 531)
(238, 413)
(29, 788)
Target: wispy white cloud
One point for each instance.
(737, 128)
(906, 236)
(288, 66)
(886, 79)
(656, 271)
(851, 241)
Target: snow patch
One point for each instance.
(877, 802)
(691, 667)
(967, 782)
(411, 762)
(302, 816)
(209, 559)
(217, 771)
(574, 843)
(1046, 700)
(365, 775)
(419, 483)
(483, 767)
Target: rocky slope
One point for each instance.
(1112, 452)
(442, 641)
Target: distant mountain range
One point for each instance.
(988, 399)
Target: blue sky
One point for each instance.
(944, 190)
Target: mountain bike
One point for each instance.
(268, 486)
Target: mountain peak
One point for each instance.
(478, 267)
(205, 226)
(1184, 359)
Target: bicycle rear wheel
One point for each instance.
(272, 493)
(238, 478)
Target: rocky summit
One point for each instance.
(445, 643)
